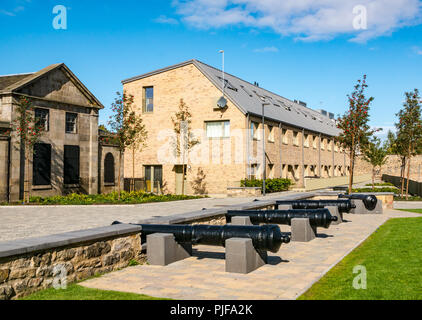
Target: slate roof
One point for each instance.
(8, 80)
(248, 98)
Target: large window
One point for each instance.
(109, 168)
(42, 117)
(41, 172)
(218, 129)
(148, 99)
(71, 122)
(71, 164)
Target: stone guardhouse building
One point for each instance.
(68, 157)
(299, 141)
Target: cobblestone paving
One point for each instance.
(289, 273)
(19, 222)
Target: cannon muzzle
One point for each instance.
(369, 200)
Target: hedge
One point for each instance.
(271, 185)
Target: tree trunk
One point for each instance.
(26, 183)
(183, 174)
(352, 163)
(402, 173)
(132, 183)
(373, 177)
(118, 182)
(408, 178)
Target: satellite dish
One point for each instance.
(222, 103)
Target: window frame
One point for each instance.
(223, 129)
(144, 99)
(75, 124)
(46, 120)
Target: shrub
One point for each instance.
(370, 190)
(271, 185)
(111, 198)
(384, 184)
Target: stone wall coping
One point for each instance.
(30, 245)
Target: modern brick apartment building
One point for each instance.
(299, 141)
(68, 157)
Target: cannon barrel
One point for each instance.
(369, 200)
(343, 205)
(317, 218)
(268, 237)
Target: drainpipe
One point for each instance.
(248, 134)
(280, 145)
(9, 162)
(319, 156)
(332, 150)
(303, 157)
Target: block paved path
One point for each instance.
(289, 273)
(18, 222)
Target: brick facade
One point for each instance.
(219, 163)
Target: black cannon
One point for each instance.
(369, 200)
(343, 205)
(317, 218)
(268, 237)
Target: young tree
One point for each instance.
(137, 136)
(29, 130)
(376, 155)
(128, 129)
(355, 130)
(185, 140)
(397, 145)
(409, 129)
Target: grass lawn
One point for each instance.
(393, 259)
(77, 292)
(412, 210)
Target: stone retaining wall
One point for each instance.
(33, 264)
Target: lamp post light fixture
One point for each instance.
(264, 160)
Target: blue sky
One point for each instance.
(297, 49)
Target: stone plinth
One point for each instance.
(162, 249)
(242, 257)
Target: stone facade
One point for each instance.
(56, 90)
(219, 163)
(24, 274)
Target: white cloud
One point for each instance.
(266, 49)
(306, 20)
(165, 20)
(7, 13)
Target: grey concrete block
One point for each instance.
(242, 257)
(335, 213)
(241, 221)
(378, 208)
(360, 207)
(162, 249)
(302, 231)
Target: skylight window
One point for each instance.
(228, 84)
(247, 92)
